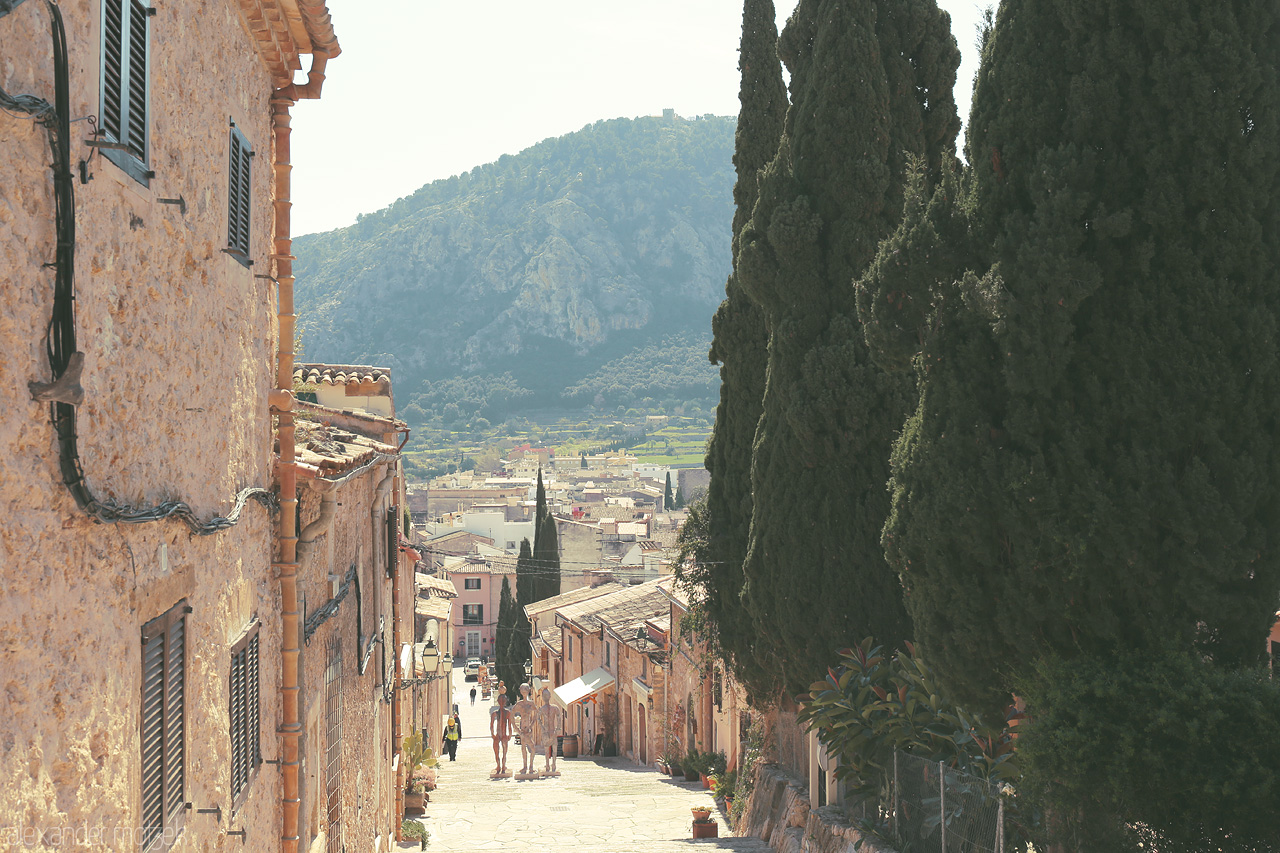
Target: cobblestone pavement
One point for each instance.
(596, 805)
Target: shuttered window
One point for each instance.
(125, 58)
(162, 727)
(246, 744)
(238, 196)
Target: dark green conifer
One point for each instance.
(1092, 464)
(871, 86)
(740, 347)
(668, 497)
(508, 660)
(529, 583)
(546, 557)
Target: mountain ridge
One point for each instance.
(545, 266)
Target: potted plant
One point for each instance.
(420, 771)
(670, 764)
(691, 763)
(412, 830)
(701, 814)
(723, 787)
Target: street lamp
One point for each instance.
(430, 656)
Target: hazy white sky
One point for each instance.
(425, 89)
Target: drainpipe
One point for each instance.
(397, 726)
(286, 568)
(317, 528)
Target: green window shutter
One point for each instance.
(238, 198)
(162, 728)
(152, 739)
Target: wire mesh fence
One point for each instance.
(938, 808)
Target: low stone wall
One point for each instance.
(778, 812)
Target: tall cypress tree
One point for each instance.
(1092, 463)
(529, 582)
(870, 87)
(546, 557)
(540, 505)
(509, 663)
(668, 497)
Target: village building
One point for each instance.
(180, 516)
(545, 634)
(355, 588)
(589, 693)
(477, 577)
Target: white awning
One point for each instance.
(581, 688)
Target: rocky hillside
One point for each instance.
(583, 270)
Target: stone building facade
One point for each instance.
(146, 660)
(356, 589)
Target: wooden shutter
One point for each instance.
(254, 739)
(239, 764)
(112, 66)
(393, 540)
(137, 130)
(162, 727)
(246, 747)
(152, 738)
(238, 195)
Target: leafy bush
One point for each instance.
(1168, 752)
(876, 702)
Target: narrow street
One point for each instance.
(596, 805)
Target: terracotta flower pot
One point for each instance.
(701, 813)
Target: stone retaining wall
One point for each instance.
(779, 813)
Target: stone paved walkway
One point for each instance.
(597, 805)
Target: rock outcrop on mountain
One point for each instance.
(537, 272)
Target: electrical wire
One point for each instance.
(61, 331)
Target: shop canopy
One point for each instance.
(581, 688)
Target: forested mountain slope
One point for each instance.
(566, 266)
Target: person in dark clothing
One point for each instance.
(473, 696)
(450, 737)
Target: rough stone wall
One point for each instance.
(354, 538)
(778, 812)
(178, 342)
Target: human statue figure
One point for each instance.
(500, 731)
(548, 725)
(524, 710)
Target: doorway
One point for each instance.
(473, 644)
(644, 735)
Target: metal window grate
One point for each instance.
(333, 744)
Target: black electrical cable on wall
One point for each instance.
(61, 338)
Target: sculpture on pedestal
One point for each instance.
(548, 730)
(500, 731)
(526, 712)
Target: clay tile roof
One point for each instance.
(573, 596)
(326, 451)
(340, 374)
(629, 606)
(552, 639)
(430, 586)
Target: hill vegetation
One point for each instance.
(581, 272)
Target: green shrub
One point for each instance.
(1171, 753)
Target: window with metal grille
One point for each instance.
(471, 583)
(238, 196)
(473, 614)
(246, 744)
(125, 54)
(333, 744)
(162, 727)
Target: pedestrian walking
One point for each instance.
(473, 696)
(452, 734)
